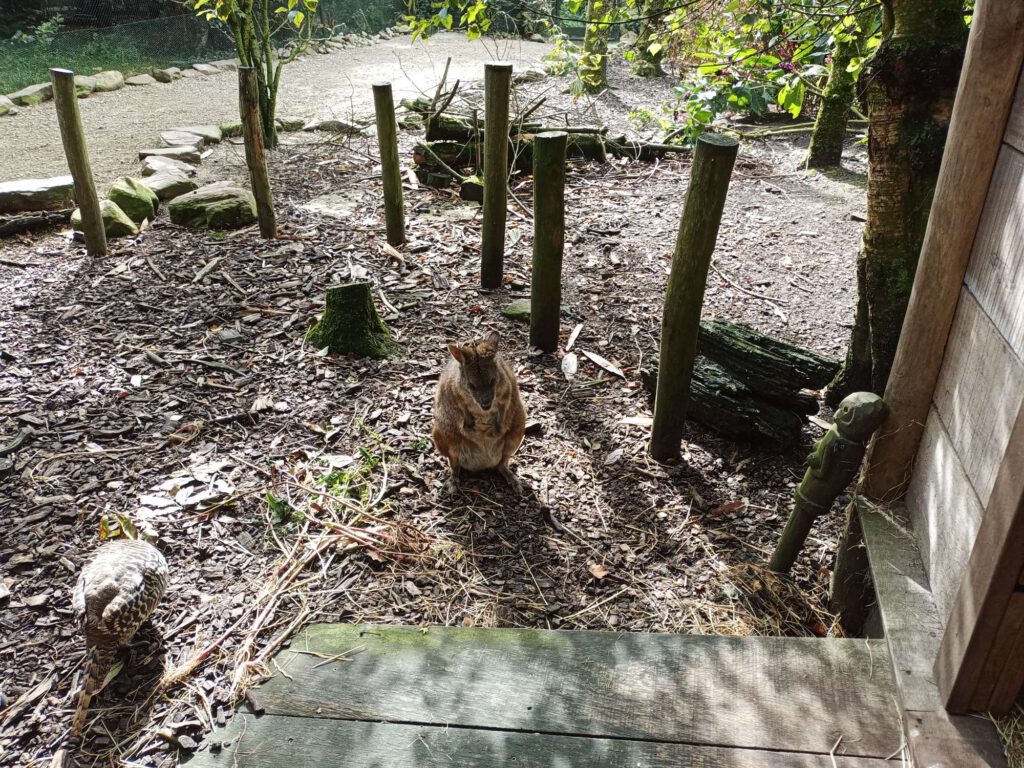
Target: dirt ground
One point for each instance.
(120, 123)
(169, 380)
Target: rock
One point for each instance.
(231, 129)
(115, 221)
(289, 125)
(84, 85)
(184, 154)
(186, 73)
(140, 80)
(537, 37)
(226, 65)
(36, 194)
(166, 75)
(404, 29)
(337, 205)
(205, 69)
(33, 94)
(181, 139)
(518, 310)
(343, 127)
(157, 164)
(111, 80)
(7, 107)
(210, 133)
(133, 197)
(170, 184)
(529, 76)
(627, 39)
(215, 206)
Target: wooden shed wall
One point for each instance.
(981, 384)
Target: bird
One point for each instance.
(116, 592)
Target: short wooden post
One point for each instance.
(391, 172)
(713, 159)
(497, 86)
(255, 158)
(548, 238)
(73, 136)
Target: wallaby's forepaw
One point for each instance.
(518, 486)
(450, 488)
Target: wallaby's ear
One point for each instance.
(456, 351)
(492, 339)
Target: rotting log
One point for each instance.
(350, 324)
(497, 85)
(73, 135)
(255, 157)
(548, 239)
(831, 467)
(698, 231)
(391, 172)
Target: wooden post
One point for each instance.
(255, 159)
(992, 64)
(548, 238)
(713, 159)
(391, 172)
(497, 85)
(73, 136)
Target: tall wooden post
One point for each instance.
(391, 172)
(548, 238)
(73, 136)
(713, 159)
(497, 86)
(255, 158)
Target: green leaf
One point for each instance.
(654, 48)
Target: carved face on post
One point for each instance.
(478, 369)
(859, 415)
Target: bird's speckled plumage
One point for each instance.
(116, 591)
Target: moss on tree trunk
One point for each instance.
(350, 324)
(593, 64)
(911, 83)
(645, 63)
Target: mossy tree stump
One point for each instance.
(350, 324)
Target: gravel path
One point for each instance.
(119, 124)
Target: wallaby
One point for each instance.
(478, 415)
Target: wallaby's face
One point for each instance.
(478, 370)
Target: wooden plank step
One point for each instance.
(272, 742)
(785, 694)
(913, 631)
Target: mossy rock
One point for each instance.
(84, 85)
(289, 125)
(133, 197)
(170, 184)
(110, 80)
(115, 221)
(32, 94)
(7, 106)
(215, 206)
(350, 324)
(519, 310)
(231, 129)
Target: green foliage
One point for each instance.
(42, 33)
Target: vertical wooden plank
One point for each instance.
(1000, 660)
(497, 86)
(1008, 685)
(979, 391)
(989, 582)
(391, 170)
(995, 51)
(73, 136)
(1015, 127)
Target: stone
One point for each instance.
(518, 310)
(7, 107)
(111, 80)
(166, 75)
(33, 94)
(211, 133)
(343, 127)
(226, 65)
(206, 69)
(231, 129)
(170, 184)
(537, 37)
(181, 139)
(36, 194)
(135, 198)
(627, 39)
(140, 80)
(115, 221)
(84, 85)
(529, 76)
(289, 124)
(156, 164)
(222, 205)
(187, 73)
(184, 154)
(337, 205)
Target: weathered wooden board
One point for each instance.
(788, 694)
(913, 632)
(944, 511)
(980, 389)
(999, 672)
(996, 273)
(273, 742)
(1015, 126)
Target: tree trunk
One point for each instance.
(350, 324)
(829, 135)
(592, 69)
(911, 82)
(645, 63)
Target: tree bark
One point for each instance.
(645, 63)
(497, 85)
(911, 83)
(350, 324)
(548, 239)
(391, 171)
(592, 71)
(255, 159)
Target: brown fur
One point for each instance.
(478, 415)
